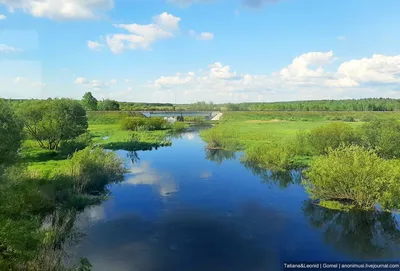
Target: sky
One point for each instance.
(182, 51)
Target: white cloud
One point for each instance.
(164, 26)
(127, 80)
(19, 79)
(206, 36)
(94, 45)
(341, 38)
(3, 17)
(94, 84)
(377, 69)
(143, 174)
(61, 9)
(7, 49)
(305, 78)
(300, 67)
(81, 81)
(39, 84)
(202, 35)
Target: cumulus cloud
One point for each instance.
(202, 35)
(304, 78)
(163, 26)
(3, 17)
(377, 69)
(94, 84)
(7, 49)
(258, 3)
(61, 9)
(94, 45)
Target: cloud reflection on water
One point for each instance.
(143, 174)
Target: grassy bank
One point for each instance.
(45, 186)
(352, 164)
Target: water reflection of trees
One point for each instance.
(219, 156)
(362, 234)
(283, 179)
(133, 156)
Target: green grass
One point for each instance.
(262, 133)
(108, 136)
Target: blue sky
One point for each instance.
(219, 50)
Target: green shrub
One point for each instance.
(178, 126)
(221, 138)
(332, 135)
(271, 156)
(348, 119)
(143, 124)
(132, 124)
(77, 144)
(382, 136)
(353, 174)
(92, 169)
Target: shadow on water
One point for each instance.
(281, 179)
(362, 234)
(188, 239)
(219, 156)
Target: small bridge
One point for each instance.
(208, 115)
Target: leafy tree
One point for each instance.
(49, 122)
(89, 102)
(108, 105)
(10, 133)
(353, 174)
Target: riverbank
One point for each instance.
(296, 140)
(42, 193)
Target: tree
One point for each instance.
(109, 105)
(89, 102)
(10, 133)
(49, 122)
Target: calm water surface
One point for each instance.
(187, 208)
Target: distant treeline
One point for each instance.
(370, 104)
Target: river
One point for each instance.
(187, 208)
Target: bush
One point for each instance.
(332, 136)
(77, 144)
(382, 136)
(221, 138)
(92, 169)
(178, 126)
(353, 174)
(273, 157)
(143, 124)
(348, 119)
